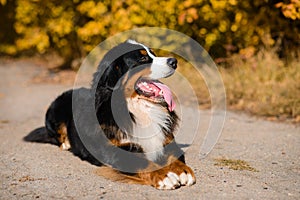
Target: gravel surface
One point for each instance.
(43, 171)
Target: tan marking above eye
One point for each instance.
(144, 52)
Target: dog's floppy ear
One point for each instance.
(107, 75)
(129, 61)
(110, 75)
(113, 66)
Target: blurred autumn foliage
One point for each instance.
(72, 28)
(256, 42)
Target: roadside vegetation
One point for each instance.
(255, 43)
(264, 85)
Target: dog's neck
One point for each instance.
(150, 121)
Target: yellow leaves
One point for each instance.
(237, 22)
(26, 12)
(91, 9)
(8, 49)
(205, 9)
(238, 17)
(219, 4)
(169, 7)
(60, 42)
(99, 10)
(290, 10)
(26, 25)
(233, 2)
(42, 42)
(85, 23)
(210, 39)
(2, 2)
(19, 27)
(56, 11)
(223, 26)
(90, 29)
(244, 22)
(36, 38)
(61, 26)
(207, 13)
(137, 19)
(234, 28)
(190, 3)
(86, 6)
(35, 25)
(121, 21)
(202, 31)
(254, 40)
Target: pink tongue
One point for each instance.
(167, 95)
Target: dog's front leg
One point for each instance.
(171, 172)
(171, 176)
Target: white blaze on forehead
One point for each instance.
(145, 47)
(159, 66)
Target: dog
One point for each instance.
(135, 119)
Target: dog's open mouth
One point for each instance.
(155, 91)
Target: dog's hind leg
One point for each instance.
(63, 137)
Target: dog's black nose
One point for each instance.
(172, 62)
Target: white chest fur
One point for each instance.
(147, 130)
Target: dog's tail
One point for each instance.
(40, 135)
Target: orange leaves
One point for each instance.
(188, 16)
(41, 25)
(290, 10)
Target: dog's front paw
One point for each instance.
(173, 181)
(174, 176)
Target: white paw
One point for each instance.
(173, 181)
(187, 179)
(65, 146)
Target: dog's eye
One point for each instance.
(144, 58)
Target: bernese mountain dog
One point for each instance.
(135, 119)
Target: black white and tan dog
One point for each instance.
(143, 130)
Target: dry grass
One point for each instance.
(262, 85)
(234, 164)
(197, 83)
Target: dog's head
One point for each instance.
(134, 68)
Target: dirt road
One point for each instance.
(42, 171)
